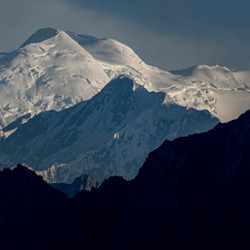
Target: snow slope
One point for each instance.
(50, 71)
(223, 92)
(54, 70)
(110, 134)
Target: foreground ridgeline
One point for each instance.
(191, 193)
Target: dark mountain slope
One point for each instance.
(32, 214)
(191, 193)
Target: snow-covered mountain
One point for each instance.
(54, 70)
(117, 124)
(110, 134)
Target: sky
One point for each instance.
(169, 34)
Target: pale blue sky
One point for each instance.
(170, 34)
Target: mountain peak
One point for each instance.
(41, 35)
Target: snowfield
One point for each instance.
(221, 91)
(54, 70)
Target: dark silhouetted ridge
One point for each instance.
(191, 193)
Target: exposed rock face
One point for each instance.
(83, 182)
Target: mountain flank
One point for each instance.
(191, 193)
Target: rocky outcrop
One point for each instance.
(83, 182)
